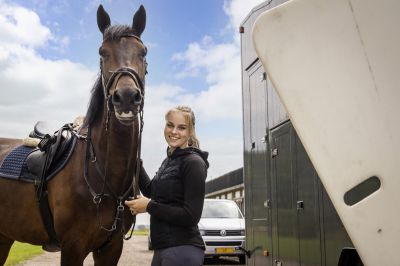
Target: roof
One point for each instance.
(227, 180)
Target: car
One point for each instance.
(222, 227)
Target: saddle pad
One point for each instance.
(14, 165)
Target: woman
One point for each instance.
(174, 197)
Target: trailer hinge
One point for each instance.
(274, 152)
(264, 139)
(300, 205)
(263, 76)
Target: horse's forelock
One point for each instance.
(116, 32)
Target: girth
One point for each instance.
(39, 163)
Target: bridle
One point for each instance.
(91, 156)
(117, 74)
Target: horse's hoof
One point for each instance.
(51, 247)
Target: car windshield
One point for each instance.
(220, 209)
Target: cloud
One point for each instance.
(21, 26)
(237, 10)
(220, 64)
(34, 88)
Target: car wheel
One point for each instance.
(242, 259)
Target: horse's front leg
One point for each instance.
(72, 254)
(5, 245)
(109, 254)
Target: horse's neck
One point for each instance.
(116, 149)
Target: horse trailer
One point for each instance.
(290, 219)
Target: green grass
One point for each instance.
(22, 251)
(141, 232)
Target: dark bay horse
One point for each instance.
(86, 197)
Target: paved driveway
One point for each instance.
(135, 253)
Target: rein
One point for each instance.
(97, 197)
(90, 153)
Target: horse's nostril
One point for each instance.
(138, 98)
(126, 98)
(116, 97)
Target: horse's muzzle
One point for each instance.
(126, 102)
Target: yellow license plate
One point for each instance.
(224, 250)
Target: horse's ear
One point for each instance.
(103, 19)
(139, 21)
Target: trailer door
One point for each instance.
(259, 192)
(285, 236)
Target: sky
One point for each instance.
(49, 61)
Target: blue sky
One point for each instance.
(49, 61)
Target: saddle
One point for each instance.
(41, 163)
(50, 148)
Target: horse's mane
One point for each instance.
(96, 103)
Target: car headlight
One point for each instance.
(202, 232)
(242, 232)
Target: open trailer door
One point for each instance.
(335, 65)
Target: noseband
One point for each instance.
(117, 74)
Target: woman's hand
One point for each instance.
(138, 205)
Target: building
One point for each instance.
(227, 186)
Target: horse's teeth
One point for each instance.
(125, 114)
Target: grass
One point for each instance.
(22, 251)
(144, 232)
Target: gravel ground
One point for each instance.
(135, 253)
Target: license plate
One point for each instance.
(224, 250)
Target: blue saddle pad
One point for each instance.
(14, 164)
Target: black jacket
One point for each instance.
(177, 196)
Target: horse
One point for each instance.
(86, 197)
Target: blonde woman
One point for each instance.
(174, 197)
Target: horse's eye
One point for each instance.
(102, 52)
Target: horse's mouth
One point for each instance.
(126, 118)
